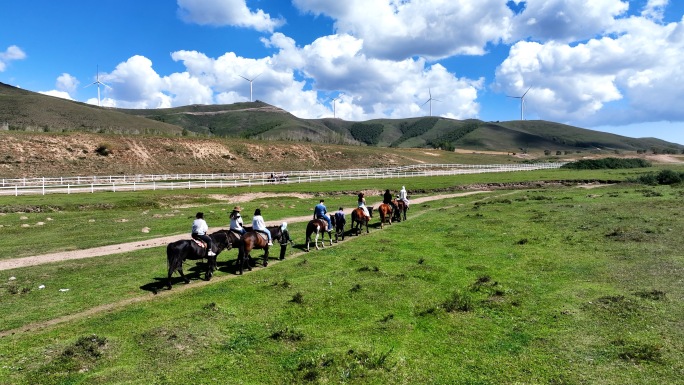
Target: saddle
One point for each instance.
(236, 233)
(200, 243)
(262, 234)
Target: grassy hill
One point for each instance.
(22, 110)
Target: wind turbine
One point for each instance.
(334, 100)
(522, 103)
(98, 83)
(430, 101)
(250, 84)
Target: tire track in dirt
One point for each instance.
(109, 307)
(157, 242)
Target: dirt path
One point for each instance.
(156, 242)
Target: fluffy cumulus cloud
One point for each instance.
(300, 80)
(66, 87)
(630, 75)
(655, 9)
(565, 20)
(397, 29)
(11, 53)
(226, 12)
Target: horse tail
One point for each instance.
(174, 256)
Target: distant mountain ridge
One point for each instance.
(29, 111)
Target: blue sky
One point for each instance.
(610, 65)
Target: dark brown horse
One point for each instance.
(338, 222)
(179, 251)
(401, 210)
(358, 219)
(317, 226)
(385, 211)
(256, 240)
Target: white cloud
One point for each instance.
(226, 12)
(628, 77)
(397, 29)
(59, 94)
(566, 20)
(67, 83)
(655, 9)
(11, 53)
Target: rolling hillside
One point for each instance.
(22, 110)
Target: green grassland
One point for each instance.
(534, 285)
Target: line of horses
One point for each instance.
(222, 240)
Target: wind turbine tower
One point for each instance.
(334, 100)
(250, 84)
(430, 101)
(98, 83)
(522, 103)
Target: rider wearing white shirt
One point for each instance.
(199, 231)
(259, 225)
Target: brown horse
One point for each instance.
(385, 211)
(317, 226)
(255, 240)
(358, 219)
(401, 209)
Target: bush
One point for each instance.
(607, 163)
(103, 149)
(669, 177)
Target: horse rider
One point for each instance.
(387, 199)
(258, 224)
(362, 204)
(403, 196)
(236, 223)
(199, 232)
(320, 211)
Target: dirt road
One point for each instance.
(156, 242)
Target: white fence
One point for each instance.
(92, 184)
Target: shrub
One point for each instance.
(103, 149)
(669, 177)
(607, 163)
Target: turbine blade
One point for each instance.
(528, 90)
(244, 78)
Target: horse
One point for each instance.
(177, 252)
(401, 209)
(254, 240)
(338, 224)
(358, 219)
(317, 226)
(385, 211)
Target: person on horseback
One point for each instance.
(199, 232)
(362, 205)
(236, 223)
(404, 196)
(258, 224)
(387, 199)
(320, 211)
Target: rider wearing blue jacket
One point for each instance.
(320, 211)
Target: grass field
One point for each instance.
(548, 285)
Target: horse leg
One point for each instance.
(168, 280)
(185, 279)
(316, 240)
(266, 256)
(330, 236)
(308, 240)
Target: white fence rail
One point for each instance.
(92, 184)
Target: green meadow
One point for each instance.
(547, 284)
